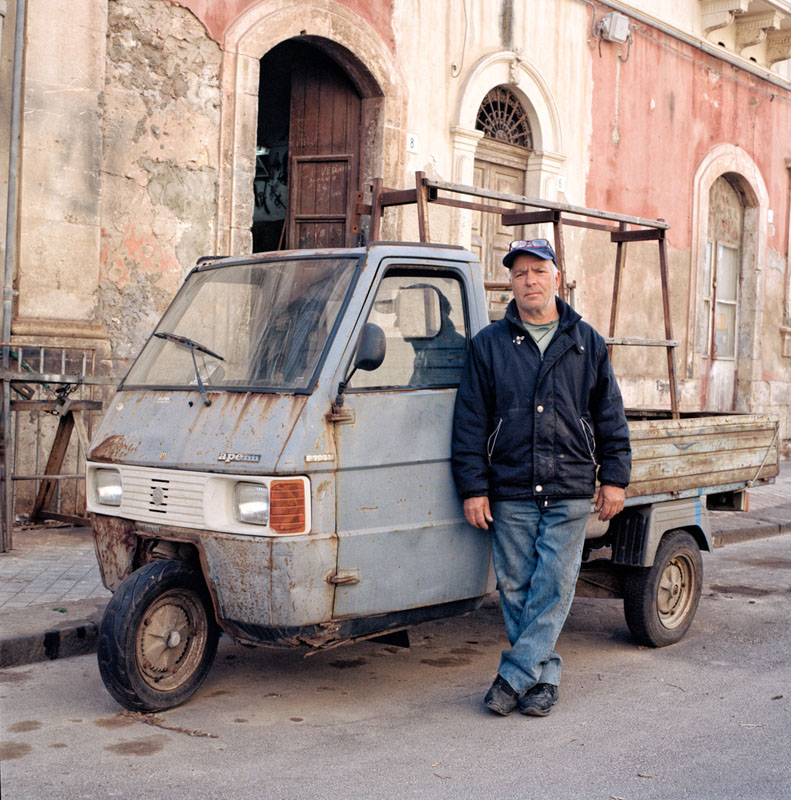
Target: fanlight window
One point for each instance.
(502, 117)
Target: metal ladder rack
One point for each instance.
(628, 229)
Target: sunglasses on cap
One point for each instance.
(521, 244)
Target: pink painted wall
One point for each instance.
(647, 163)
(217, 17)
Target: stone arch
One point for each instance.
(354, 45)
(546, 161)
(733, 163)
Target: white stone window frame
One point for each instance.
(545, 163)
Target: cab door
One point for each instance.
(400, 525)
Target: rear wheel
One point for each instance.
(660, 601)
(158, 637)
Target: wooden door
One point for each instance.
(490, 239)
(324, 147)
(722, 271)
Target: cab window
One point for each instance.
(422, 316)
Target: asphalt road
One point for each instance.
(707, 718)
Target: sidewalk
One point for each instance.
(52, 598)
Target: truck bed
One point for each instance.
(697, 455)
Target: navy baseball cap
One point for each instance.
(535, 247)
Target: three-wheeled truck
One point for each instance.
(275, 465)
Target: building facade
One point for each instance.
(154, 132)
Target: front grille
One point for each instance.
(165, 497)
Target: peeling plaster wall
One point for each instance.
(159, 165)
(656, 118)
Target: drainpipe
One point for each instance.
(12, 215)
(785, 328)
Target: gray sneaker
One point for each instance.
(501, 697)
(539, 700)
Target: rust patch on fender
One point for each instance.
(115, 541)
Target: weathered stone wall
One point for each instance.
(159, 164)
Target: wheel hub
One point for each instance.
(675, 593)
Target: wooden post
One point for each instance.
(54, 463)
(376, 209)
(620, 264)
(560, 251)
(671, 351)
(422, 207)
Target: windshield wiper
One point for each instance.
(192, 346)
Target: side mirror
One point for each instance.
(370, 349)
(369, 356)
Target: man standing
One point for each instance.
(538, 413)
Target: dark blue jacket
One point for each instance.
(531, 427)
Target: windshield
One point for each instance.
(247, 326)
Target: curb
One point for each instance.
(35, 633)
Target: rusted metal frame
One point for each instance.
(560, 253)
(496, 286)
(55, 461)
(421, 198)
(620, 264)
(376, 208)
(468, 206)
(511, 217)
(584, 223)
(387, 197)
(527, 217)
(549, 204)
(623, 235)
(671, 352)
(398, 197)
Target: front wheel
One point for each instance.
(158, 637)
(660, 601)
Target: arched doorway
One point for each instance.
(308, 149)
(728, 179)
(720, 294)
(501, 161)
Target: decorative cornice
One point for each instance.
(752, 29)
(778, 46)
(721, 13)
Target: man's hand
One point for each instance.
(610, 501)
(477, 512)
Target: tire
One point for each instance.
(660, 601)
(158, 637)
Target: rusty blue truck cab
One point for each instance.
(247, 472)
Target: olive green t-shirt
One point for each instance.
(541, 334)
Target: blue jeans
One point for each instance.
(537, 549)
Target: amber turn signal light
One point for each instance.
(287, 506)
